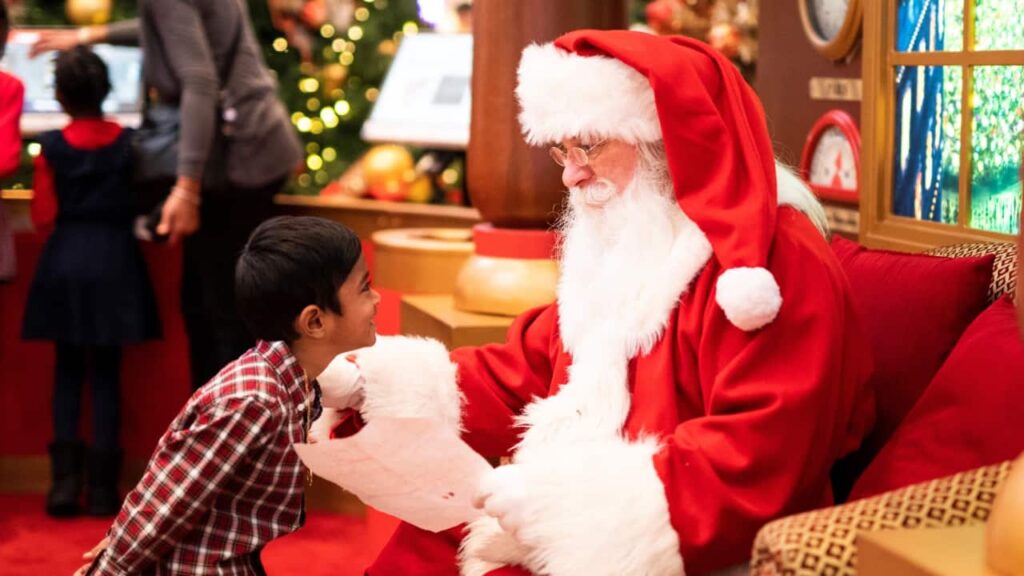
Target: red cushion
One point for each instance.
(968, 417)
(914, 308)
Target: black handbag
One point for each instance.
(155, 149)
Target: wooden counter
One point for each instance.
(363, 216)
(368, 216)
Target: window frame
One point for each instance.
(880, 227)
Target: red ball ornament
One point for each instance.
(725, 38)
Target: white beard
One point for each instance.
(614, 260)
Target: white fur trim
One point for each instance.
(750, 297)
(487, 547)
(565, 95)
(576, 520)
(794, 192)
(409, 377)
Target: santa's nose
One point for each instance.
(573, 175)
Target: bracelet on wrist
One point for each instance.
(185, 195)
(84, 35)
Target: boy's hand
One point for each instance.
(322, 426)
(341, 384)
(91, 555)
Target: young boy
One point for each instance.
(224, 479)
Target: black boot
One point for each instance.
(104, 468)
(66, 470)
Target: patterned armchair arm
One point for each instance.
(823, 541)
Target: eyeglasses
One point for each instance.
(578, 155)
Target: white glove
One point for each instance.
(320, 430)
(502, 495)
(341, 384)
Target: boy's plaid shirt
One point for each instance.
(224, 479)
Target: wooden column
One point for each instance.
(510, 183)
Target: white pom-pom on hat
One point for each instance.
(750, 297)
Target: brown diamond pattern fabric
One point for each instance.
(824, 541)
(1004, 269)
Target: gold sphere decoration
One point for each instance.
(385, 168)
(89, 12)
(420, 190)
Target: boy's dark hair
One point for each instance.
(82, 81)
(291, 262)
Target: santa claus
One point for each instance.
(702, 367)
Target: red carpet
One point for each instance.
(32, 544)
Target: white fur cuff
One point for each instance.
(410, 377)
(580, 522)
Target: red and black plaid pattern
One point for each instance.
(224, 479)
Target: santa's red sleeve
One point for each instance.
(782, 404)
(476, 390)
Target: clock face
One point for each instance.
(828, 16)
(833, 164)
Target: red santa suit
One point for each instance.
(655, 427)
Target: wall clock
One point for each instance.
(830, 161)
(832, 26)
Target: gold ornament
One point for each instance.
(333, 77)
(420, 190)
(88, 12)
(385, 168)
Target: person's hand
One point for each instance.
(91, 555)
(321, 428)
(180, 214)
(51, 40)
(502, 495)
(341, 384)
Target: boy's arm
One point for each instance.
(189, 470)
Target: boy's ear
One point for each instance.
(310, 322)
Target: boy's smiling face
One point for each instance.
(355, 327)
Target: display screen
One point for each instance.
(124, 66)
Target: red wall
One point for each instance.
(155, 375)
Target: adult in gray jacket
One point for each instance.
(187, 45)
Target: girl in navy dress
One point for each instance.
(91, 293)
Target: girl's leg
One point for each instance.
(104, 466)
(67, 392)
(66, 452)
(106, 396)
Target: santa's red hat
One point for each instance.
(638, 87)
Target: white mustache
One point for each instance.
(595, 195)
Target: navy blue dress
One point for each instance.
(91, 285)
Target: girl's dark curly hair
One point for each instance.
(82, 81)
